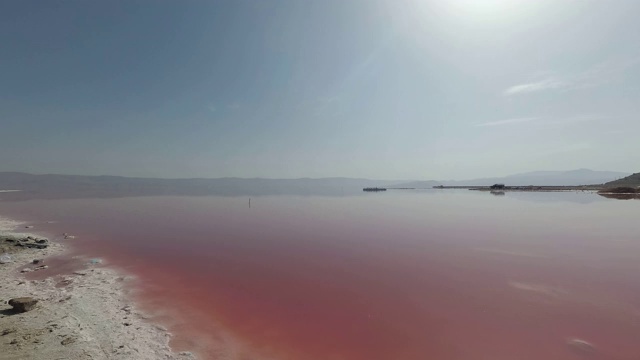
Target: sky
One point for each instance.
(415, 89)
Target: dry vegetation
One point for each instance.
(619, 190)
(631, 181)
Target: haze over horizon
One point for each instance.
(423, 90)
(544, 175)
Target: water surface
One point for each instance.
(395, 275)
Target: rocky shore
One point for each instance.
(85, 314)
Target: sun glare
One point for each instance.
(479, 10)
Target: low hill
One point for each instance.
(629, 181)
(540, 178)
(426, 184)
(550, 178)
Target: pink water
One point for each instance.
(401, 275)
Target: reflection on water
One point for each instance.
(401, 275)
(578, 197)
(621, 196)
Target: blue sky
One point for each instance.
(437, 89)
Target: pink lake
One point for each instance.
(408, 275)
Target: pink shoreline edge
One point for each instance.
(106, 272)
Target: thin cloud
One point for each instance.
(546, 121)
(599, 74)
(578, 119)
(606, 71)
(508, 121)
(546, 84)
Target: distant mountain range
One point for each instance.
(76, 186)
(559, 178)
(421, 184)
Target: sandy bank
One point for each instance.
(83, 315)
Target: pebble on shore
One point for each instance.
(23, 304)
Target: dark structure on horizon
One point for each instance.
(374, 189)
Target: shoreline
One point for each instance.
(528, 188)
(86, 313)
